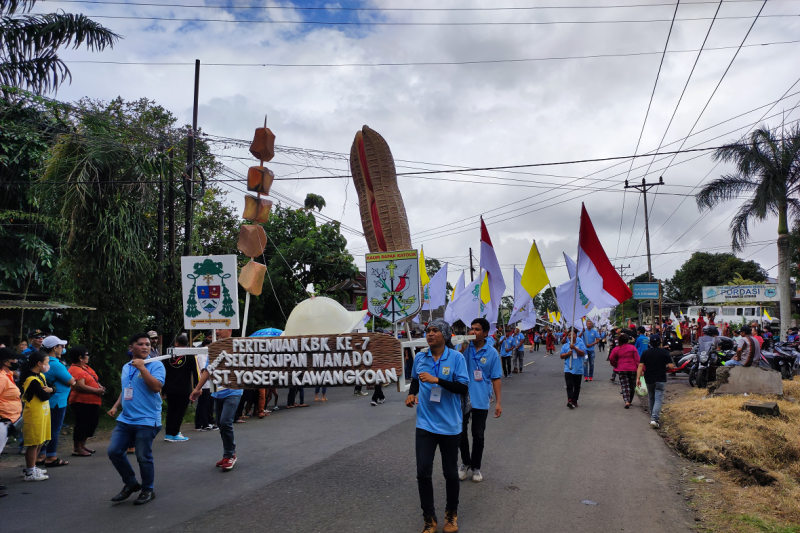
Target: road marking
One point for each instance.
(526, 364)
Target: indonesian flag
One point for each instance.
(497, 285)
(599, 281)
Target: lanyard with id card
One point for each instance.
(436, 390)
(477, 373)
(127, 392)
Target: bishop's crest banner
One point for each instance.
(393, 285)
(210, 292)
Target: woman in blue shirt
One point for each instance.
(438, 381)
(572, 353)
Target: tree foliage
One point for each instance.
(29, 44)
(704, 269)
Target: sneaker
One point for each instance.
(462, 471)
(36, 475)
(227, 463)
(180, 438)
(450, 521)
(477, 477)
(591, 378)
(170, 438)
(201, 429)
(275, 408)
(373, 403)
(362, 393)
(654, 424)
(430, 525)
(212, 427)
(382, 400)
(220, 462)
(569, 404)
(586, 380)
(575, 404)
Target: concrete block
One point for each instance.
(763, 408)
(752, 380)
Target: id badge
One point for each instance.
(478, 375)
(128, 393)
(436, 394)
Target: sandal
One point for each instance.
(57, 462)
(240, 421)
(76, 454)
(88, 450)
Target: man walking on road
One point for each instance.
(572, 352)
(519, 351)
(139, 422)
(507, 345)
(653, 365)
(438, 380)
(483, 368)
(590, 338)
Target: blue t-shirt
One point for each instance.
(507, 346)
(59, 376)
(487, 360)
(642, 344)
(144, 409)
(442, 417)
(589, 336)
(577, 360)
(519, 338)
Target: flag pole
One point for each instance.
(577, 281)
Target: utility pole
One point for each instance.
(643, 188)
(188, 181)
(622, 269)
(471, 268)
(160, 252)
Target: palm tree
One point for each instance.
(314, 201)
(768, 168)
(29, 44)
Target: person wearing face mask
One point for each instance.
(10, 406)
(59, 378)
(36, 430)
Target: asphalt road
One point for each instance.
(347, 466)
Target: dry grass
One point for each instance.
(746, 449)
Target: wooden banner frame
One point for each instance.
(307, 361)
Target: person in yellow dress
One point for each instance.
(36, 415)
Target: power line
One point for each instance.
(428, 24)
(418, 63)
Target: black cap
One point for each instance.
(7, 353)
(36, 333)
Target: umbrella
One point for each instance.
(267, 332)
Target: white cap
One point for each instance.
(52, 341)
(322, 316)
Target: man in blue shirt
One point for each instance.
(590, 338)
(139, 422)
(226, 402)
(507, 345)
(438, 381)
(483, 369)
(519, 351)
(642, 342)
(35, 339)
(572, 351)
(59, 378)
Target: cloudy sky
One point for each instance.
(552, 104)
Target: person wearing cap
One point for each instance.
(35, 338)
(181, 373)
(438, 381)
(59, 378)
(153, 343)
(484, 371)
(139, 422)
(10, 405)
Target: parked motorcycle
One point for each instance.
(785, 359)
(710, 356)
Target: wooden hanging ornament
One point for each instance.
(263, 146)
(259, 179)
(251, 278)
(256, 209)
(252, 240)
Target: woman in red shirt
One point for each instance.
(85, 400)
(625, 361)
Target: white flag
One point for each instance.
(565, 294)
(449, 317)
(467, 305)
(571, 266)
(521, 299)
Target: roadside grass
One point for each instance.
(756, 459)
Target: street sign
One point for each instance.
(306, 361)
(645, 290)
(393, 289)
(210, 292)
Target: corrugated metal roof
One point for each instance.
(24, 304)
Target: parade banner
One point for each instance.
(210, 292)
(393, 286)
(306, 361)
(740, 293)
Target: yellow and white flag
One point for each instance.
(423, 272)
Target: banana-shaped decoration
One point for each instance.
(383, 214)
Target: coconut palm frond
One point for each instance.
(15, 6)
(727, 187)
(739, 226)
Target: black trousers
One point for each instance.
(426, 444)
(573, 385)
(204, 411)
(249, 396)
(86, 418)
(176, 409)
(293, 392)
(506, 365)
(378, 394)
(478, 428)
(536, 346)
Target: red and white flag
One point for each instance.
(497, 285)
(599, 281)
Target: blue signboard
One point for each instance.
(645, 291)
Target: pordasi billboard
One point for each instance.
(721, 294)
